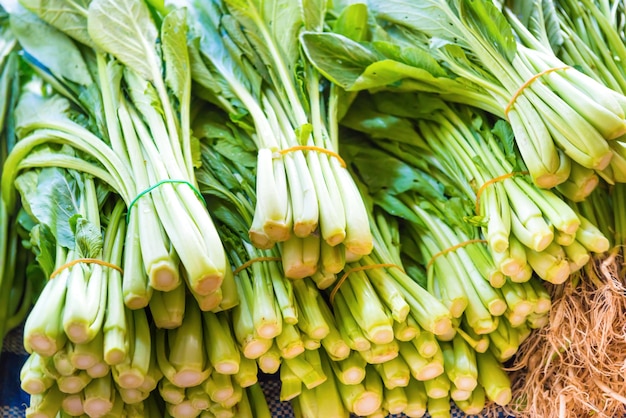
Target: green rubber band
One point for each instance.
(154, 186)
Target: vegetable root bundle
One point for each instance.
(575, 365)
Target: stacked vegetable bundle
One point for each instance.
(16, 293)
(179, 176)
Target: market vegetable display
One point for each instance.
(389, 206)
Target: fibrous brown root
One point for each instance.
(576, 365)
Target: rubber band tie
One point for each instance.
(451, 249)
(355, 269)
(85, 261)
(528, 82)
(252, 261)
(492, 181)
(154, 186)
(313, 148)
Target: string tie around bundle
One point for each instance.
(494, 180)
(85, 261)
(528, 82)
(452, 249)
(313, 148)
(347, 273)
(158, 184)
(252, 261)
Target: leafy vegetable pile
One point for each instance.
(376, 202)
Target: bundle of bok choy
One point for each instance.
(465, 51)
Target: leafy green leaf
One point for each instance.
(51, 47)
(52, 201)
(485, 19)
(43, 245)
(175, 55)
(352, 22)
(313, 13)
(355, 67)
(271, 26)
(245, 48)
(230, 220)
(159, 5)
(390, 73)
(408, 105)
(67, 16)
(245, 57)
(433, 17)
(506, 139)
(89, 240)
(552, 24)
(458, 55)
(216, 132)
(133, 42)
(363, 117)
(212, 48)
(338, 58)
(394, 206)
(199, 71)
(391, 176)
(455, 211)
(412, 56)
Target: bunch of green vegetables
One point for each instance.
(585, 34)
(17, 292)
(133, 90)
(465, 51)
(375, 355)
(248, 61)
(378, 317)
(527, 229)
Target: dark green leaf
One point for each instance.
(44, 246)
(391, 175)
(53, 200)
(229, 217)
(394, 206)
(363, 117)
(245, 49)
(337, 57)
(486, 20)
(408, 105)
(414, 57)
(506, 139)
(235, 152)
